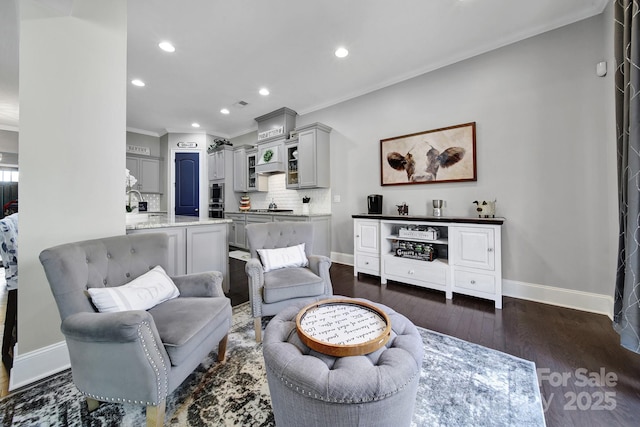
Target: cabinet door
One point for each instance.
(237, 234)
(307, 171)
(239, 170)
(219, 164)
(133, 164)
(150, 176)
(206, 248)
(291, 178)
(215, 165)
(252, 177)
(367, 236)
(473, 247)
(211, 166)
(147, 172)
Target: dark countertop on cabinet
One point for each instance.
(456, 219)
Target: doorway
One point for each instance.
(187, 189)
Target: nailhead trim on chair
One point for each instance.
(161, 392)
(153, 365)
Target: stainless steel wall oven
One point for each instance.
(216, 200)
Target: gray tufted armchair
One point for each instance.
(272, 291)
(136, 356)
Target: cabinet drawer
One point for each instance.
(416, 270)
(475, 281)
(366, 262)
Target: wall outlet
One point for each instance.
(336, 198)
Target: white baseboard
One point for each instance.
(36, 365)
(569, 298)
(341, 258)
(579, 300)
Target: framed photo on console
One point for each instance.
(438, 155)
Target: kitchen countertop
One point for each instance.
(294, 213)
(458, 219)
(163, 220)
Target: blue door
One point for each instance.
(187, 195)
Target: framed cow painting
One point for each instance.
(439, 155)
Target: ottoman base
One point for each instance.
(314, 389)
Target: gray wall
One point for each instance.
(545, 150)
(65, 146)
(147, 141)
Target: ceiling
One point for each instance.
(227, 50)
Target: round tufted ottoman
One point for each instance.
(313, 389)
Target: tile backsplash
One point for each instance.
(290, 199)
(152, 199)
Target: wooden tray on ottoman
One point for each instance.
(343, 327)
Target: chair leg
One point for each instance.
(92, 404)
(257, 325)
(155, 415)
(222, 349)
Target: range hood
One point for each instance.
(273, 129)
(270, 158)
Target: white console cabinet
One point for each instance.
(468, 253)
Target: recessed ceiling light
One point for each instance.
(224, 111)
(264, 91)
(341, 52)
(195, 125)
(137, 82)
(167, 47)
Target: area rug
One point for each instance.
(241, 255)
(462, 384)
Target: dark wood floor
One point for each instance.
(561, 341)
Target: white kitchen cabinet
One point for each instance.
(255, 181)
(468, 261)
(366, 244)
(218, 163)
(237, 233)
(245, 178)
(147, 172)
(239, 169)
(307, 163)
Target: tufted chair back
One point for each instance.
(72, 268)
(279, 235)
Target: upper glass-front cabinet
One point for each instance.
(292, 165)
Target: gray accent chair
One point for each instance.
(133, 356)
(272, 291)
(308, 388)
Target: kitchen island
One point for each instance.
(195, 244)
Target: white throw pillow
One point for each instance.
(293, 256)
(142, 293)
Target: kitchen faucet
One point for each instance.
(140, 198)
